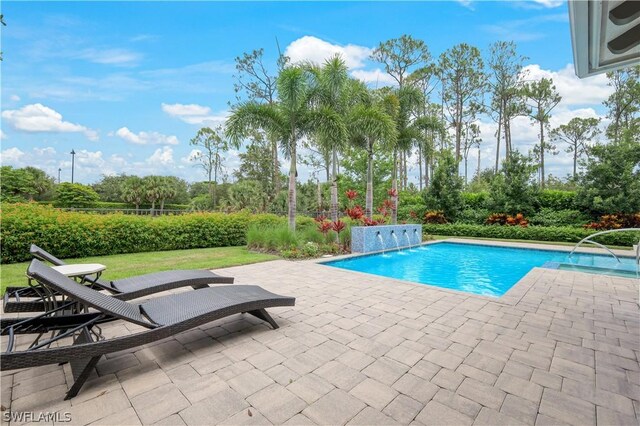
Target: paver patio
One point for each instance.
(560, 348)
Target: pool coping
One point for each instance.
(515, 294)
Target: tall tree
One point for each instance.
(133, 191)
(211, 144)
(408, 61)
(577, 134)
(258, 84)
(463, 81)
(471, 138)
(369, 127)
(543, 98)
(334, 93)
(256, 164)
(153, 187)
(624, 104)
(291, 119)
(401, 56)
(505, 67)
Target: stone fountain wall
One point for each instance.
(365, 239)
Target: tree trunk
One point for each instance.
(420, 166)
(334, 186)
(213, 200)
(478, 163)
(498, 142)
(153, 208)
(161, 206)
(276, 168)
(215, 188)
(575, 160)
(368, 211)
(319, 195)
(542, 154)
(394, 186)
(406, 171)
(292, 188)
(466, 160)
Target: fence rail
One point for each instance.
(158, 212)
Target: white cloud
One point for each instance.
(3, 135)
(188, 159)
(11, 156)
(39, 118)
(162, 156)
(121, 57)
(549, 3)
(574, 91)
(376, 76)
(146, 138)
(466, 3)
(15, 98)
(195, 114)
(313, 49)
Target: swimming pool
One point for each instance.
(475, 268)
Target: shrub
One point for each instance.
(75, 234)
(445, 192)
(475, 200)
(474, 216)
(551, 217)
(434, 216)
(411, 213)
(537, 233)
(557, 200)
(615, 221)
(514, 191)
(75, 195)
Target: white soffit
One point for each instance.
(605, 35)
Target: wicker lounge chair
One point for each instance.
(161, 317)
(36, 299)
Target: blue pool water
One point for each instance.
(474, 268)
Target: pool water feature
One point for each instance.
(477, 268)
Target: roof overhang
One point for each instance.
(605, 35)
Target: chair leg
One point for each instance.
(81, 368)
(264, 316)
(199, 286)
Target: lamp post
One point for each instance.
(73, 158)
(59, 170)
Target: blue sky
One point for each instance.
(127, 84)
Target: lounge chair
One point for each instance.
(161, 317)
(36, 299)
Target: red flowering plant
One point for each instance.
(324, 227)
(338, 226)
(369, 222)
(355, 213)
(392, 193)
(320, 218)
(351, 194)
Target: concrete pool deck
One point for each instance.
(363, 349)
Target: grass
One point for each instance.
(126, 265)
(554, 243)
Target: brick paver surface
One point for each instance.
(559, 348)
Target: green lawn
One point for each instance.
(125, 265)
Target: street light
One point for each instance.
(59, 170)
(73, 158)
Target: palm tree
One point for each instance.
(369, 123)
(133, 191)
(153, 190)
(332, 94)
(290, 119)
(167, 190)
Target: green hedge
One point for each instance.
(557, 200)
(538, 233)
(475, 200)
(74, 234)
